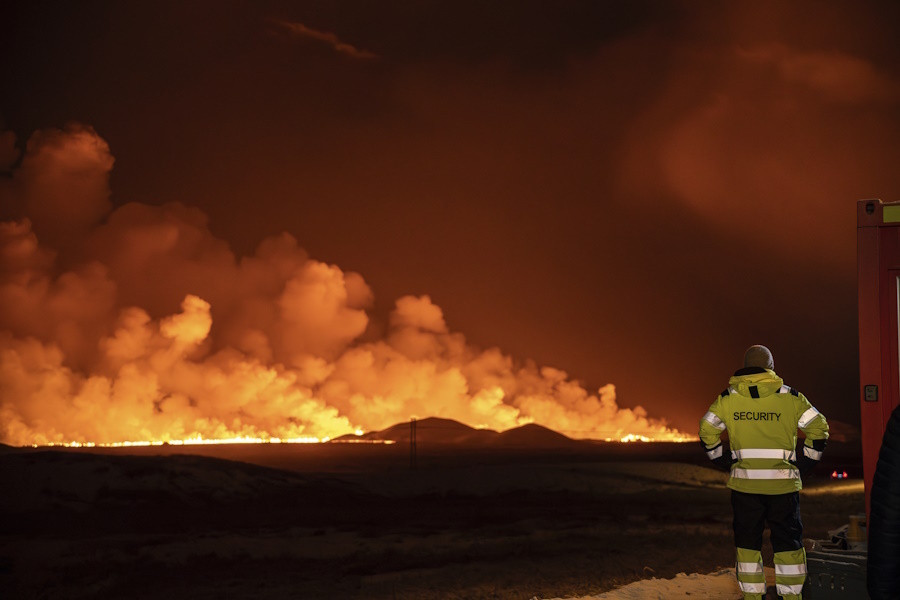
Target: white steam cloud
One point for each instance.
(139, 324)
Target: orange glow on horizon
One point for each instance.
(668, 436)
(208, 442)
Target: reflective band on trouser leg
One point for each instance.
(750, 576)
(790, 573)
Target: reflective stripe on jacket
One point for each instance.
(762, 416)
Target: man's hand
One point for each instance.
(809, 456)
(724, 462)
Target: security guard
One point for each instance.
(762, 415)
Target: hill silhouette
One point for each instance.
(533, 435)
(435, 430)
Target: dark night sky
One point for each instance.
(630, 191)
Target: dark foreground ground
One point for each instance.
(356, 522)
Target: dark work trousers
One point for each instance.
(780, 511)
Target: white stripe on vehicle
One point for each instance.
(714, 453)
(787, 590)
(807, 417)
(812, 453)
(713, 420)
(749, 567)
(763, 453)
(753, 588)
(765, 474)
(790, 569)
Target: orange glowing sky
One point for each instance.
(607, 189)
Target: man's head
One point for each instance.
(759, 356)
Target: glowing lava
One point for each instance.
(198, 441)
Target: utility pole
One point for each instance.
(412, 444)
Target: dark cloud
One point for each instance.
(302, 31)
(8, 151)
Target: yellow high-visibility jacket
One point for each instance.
(762, 416)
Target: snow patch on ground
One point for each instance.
(720, 585)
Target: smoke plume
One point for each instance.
(139, 324)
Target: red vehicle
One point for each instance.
(878, 255)
(878, 268)
(840, 570)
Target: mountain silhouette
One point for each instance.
(435, 430)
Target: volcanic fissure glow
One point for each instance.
(139, 324)
(202, 442)
(304, 440)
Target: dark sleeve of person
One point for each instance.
(810, 456)
(720, 456)
(883, 578)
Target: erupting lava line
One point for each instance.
(199, 441)
(210, 442)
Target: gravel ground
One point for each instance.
(189, 527)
